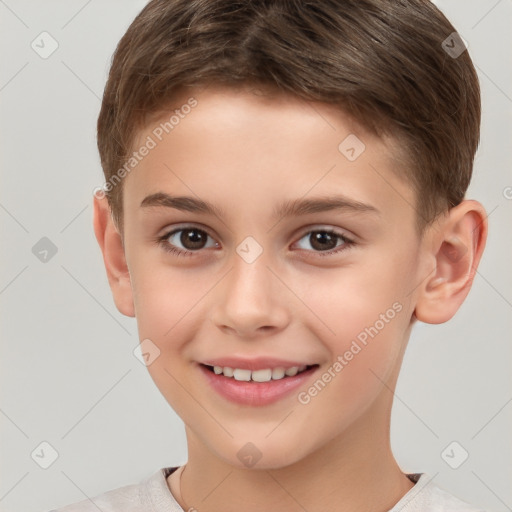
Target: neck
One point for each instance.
(353, 471)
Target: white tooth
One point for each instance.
(242, 374)
(278, 373)
(262, 375)
(291, 372)
(259, 375)
(227, 371)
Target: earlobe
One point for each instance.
(457, 248)
(114, 258)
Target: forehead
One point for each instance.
(252, 149)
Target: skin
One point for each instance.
(246, 153)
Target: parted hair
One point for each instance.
(383, 62)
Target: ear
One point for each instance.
(457, 246)
(111, 245)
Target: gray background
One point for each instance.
(68, 373)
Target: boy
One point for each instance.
(284, 198)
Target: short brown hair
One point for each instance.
(383, 62)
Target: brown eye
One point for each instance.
(325, 242)
(322, 240)
(193, 238)
(186, 240)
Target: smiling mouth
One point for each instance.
(263, 375)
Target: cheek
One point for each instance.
(364, 315)
(365, 353)
(163, 297)
(356, 303)
(166, 301)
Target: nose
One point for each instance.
(251, 301)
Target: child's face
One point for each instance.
(298, 300)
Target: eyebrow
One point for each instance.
(286, 209)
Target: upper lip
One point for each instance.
(257, 363)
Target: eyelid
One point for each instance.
(168, 230)
(325, 227)
(341, 232)
(348, 239)
(162, 239)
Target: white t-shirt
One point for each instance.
(153, 495)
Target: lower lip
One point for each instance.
(255, 393)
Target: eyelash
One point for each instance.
(162, 241)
